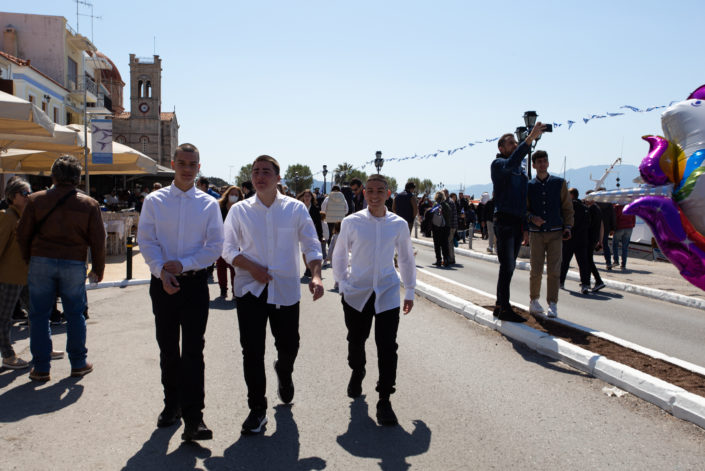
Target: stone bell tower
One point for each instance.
(145, 87)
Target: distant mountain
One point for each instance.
(579, 178)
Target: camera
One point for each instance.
(548, 128)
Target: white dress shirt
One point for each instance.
(271, 237)
(363, 260)
(180, 225)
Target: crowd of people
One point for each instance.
(252, 235)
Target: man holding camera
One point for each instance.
(510, 191)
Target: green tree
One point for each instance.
(426, 186)
(342, 173)
(416, 182)
(358, 174)
(298, 177)
(217, 181)
(244, 175)
(391, 183)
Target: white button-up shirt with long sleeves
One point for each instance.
(271, 237)
(363, 260)
(180, 225)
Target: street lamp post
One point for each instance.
(529, 122)
(379, 161)
(325, 172)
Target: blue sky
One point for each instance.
(326, 82)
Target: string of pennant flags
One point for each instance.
(569, 123)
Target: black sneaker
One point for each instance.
(355, 384)
(584, 289)
(598, 287)
(254, 422)
(197, 431)
(286, 386)
(385, 413)
(307, 273)
(508, 315)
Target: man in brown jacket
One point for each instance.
(55, 231)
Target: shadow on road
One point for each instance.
(30, 399)
(222, 304)
(392, 445)
(279, 451)
(153, 454)
(534, 357)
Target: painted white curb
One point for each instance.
(113, 284)
(666, 296)
(671, 398)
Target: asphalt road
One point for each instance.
(467, 398)
(665, 327)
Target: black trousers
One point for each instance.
(252, 315)
(440, 243)
(359, 325)
(591, 262)
(578, 246)
(183, 314)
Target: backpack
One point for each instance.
(437, 218)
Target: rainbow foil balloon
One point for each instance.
(678, 220)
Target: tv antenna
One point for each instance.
(91, 16)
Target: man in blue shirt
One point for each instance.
(509, 189)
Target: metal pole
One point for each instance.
(85, 122)
(128, 257)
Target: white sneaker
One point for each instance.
(535, 307)
(552, 310)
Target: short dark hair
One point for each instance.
(377, 178)
(356, 181)
(503, 139)
(270, 159)
(409, 186)
(539, 154)
(574, 192)
(247, 184)
(335, 188)
(15, 185)
(203, 181)
(66, 170)
(187, 147)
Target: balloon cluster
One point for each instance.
(678, 159)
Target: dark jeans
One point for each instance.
(440, 243)
(591, 262)
(606, 248)
(359, 325)
(252, 315)
(182, 314)
(578, 246)
(508, 231)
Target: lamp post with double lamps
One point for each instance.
(379, 161)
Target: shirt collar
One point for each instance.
(176, 192)
(277, 197)
(373, 217)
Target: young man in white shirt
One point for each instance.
(262, 239)
(363, 266)
(180, 234)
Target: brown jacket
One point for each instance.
(68, 231)
(13, 269)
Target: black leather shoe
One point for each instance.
(286, 386)
(168, 417)
(355, 384)
(196, 432)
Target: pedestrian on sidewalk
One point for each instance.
(440, 228)
(180, 235)
(13, 269)
(262, 239)
(595, 235)
(550, 220)
(231, 195)
(406, 205)
(491, 237)
(622, 235)
(609, 223)
(56, 229)
(308, 199)
(578, 244)
(369, 285)
(452, 225)
(509, 193)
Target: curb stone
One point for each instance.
(115, 284)
(671, 398)
(654, 293)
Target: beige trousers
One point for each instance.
(548, 247)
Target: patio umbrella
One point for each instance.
(126, 161)
(64, 139)
(18, 116)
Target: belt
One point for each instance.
(191, 273)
